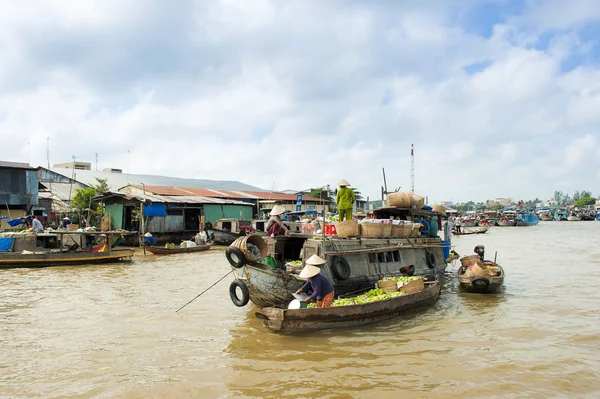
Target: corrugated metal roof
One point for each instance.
(253, 195)
(179, 199)
(62, 190)
(16, 165)
(118, 180)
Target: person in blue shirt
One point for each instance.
(66, 222)
(322, 288)
(37, 225)
(148, 239)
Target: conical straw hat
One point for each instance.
(277, 210)
(315, 260)
(343, 183)
(309, 271)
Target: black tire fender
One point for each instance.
(239, 302)
(480, 282)
(340, 268)
(431, 261)
(235, 257)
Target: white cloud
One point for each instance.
(304, 93)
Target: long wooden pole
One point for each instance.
(215, 283)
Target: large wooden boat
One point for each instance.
(226, 231)
(63, 248)
(177, 250)
(312, 319)
(353, 264)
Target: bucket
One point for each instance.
(446, 248)
(296, 304)
(242, 243)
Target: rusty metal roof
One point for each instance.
(179, 199)
(253, 195)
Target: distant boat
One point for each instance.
(177, 250)
(472, 230)
(526, 219)
(573, 217)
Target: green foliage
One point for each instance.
(585, 201)
(83, 201)
(320, 193)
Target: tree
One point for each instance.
(83, 199)
(357, 193)
(320, 193)
(576, 196)
(584, 201)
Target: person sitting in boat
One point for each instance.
(26, 220)
(345, 198)
(36, 225)
(275, 226)
(149, 239)
(322, 288)
(66, 222)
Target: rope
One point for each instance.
(197, 296)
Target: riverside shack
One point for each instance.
(168, 218)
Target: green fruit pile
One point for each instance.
(376, 294)
(402, 279)
(293, 262)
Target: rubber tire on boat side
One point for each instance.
(233, 253)
(239, 302)
(483, 286)
(340, 268)
(431, 261)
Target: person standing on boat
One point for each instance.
(275, 226)
(457, 225)
(345, 199)
(36, 225)
(322, 288)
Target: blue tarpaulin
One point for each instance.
(155, 210)
(14, 222)
(6, 244)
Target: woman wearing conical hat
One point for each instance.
(322, 288)
(345, 199)
(275, 226)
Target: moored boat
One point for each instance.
(526, 219)
(226, 231)
(62, 248)
(177, 250)
(312, 319)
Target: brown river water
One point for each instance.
(111, 331)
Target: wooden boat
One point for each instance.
(177, 250)
(481, 284)
(526, 219)
(312, 319)
(226, 231)
(63, 248)
(472, 230)
(352, 264)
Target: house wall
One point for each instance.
(115, 211)
(214, 212)
(18, 187)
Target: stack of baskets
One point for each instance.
(371, 229)
(402, 230)
(474, 266)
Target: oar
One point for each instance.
(204, 291)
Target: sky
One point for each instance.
(500, 98)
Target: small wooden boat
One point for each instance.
(481, 284)
(177, 250)
(312, 319)
(472, 230)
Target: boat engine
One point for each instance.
(480, 250)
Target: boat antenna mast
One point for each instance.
(384, 190)
(412, 168)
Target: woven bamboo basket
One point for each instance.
(475, 270)
(399, 200)
(398, 230)
(371, 229)
(386, 229)
(388, 285)
(416, 230)
(347, 228)
(412, 286)
(418, 201)
(440, 209)
(467, 261)
(242, 243)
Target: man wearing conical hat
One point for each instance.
(275, 226)
(345, 199)
(322, 288)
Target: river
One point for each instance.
(111, 331)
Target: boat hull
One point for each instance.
(472, 230)
(368, 260)
(169, 251)
(223, 237)
(46, 259)
(313, 319)
(481, 284)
